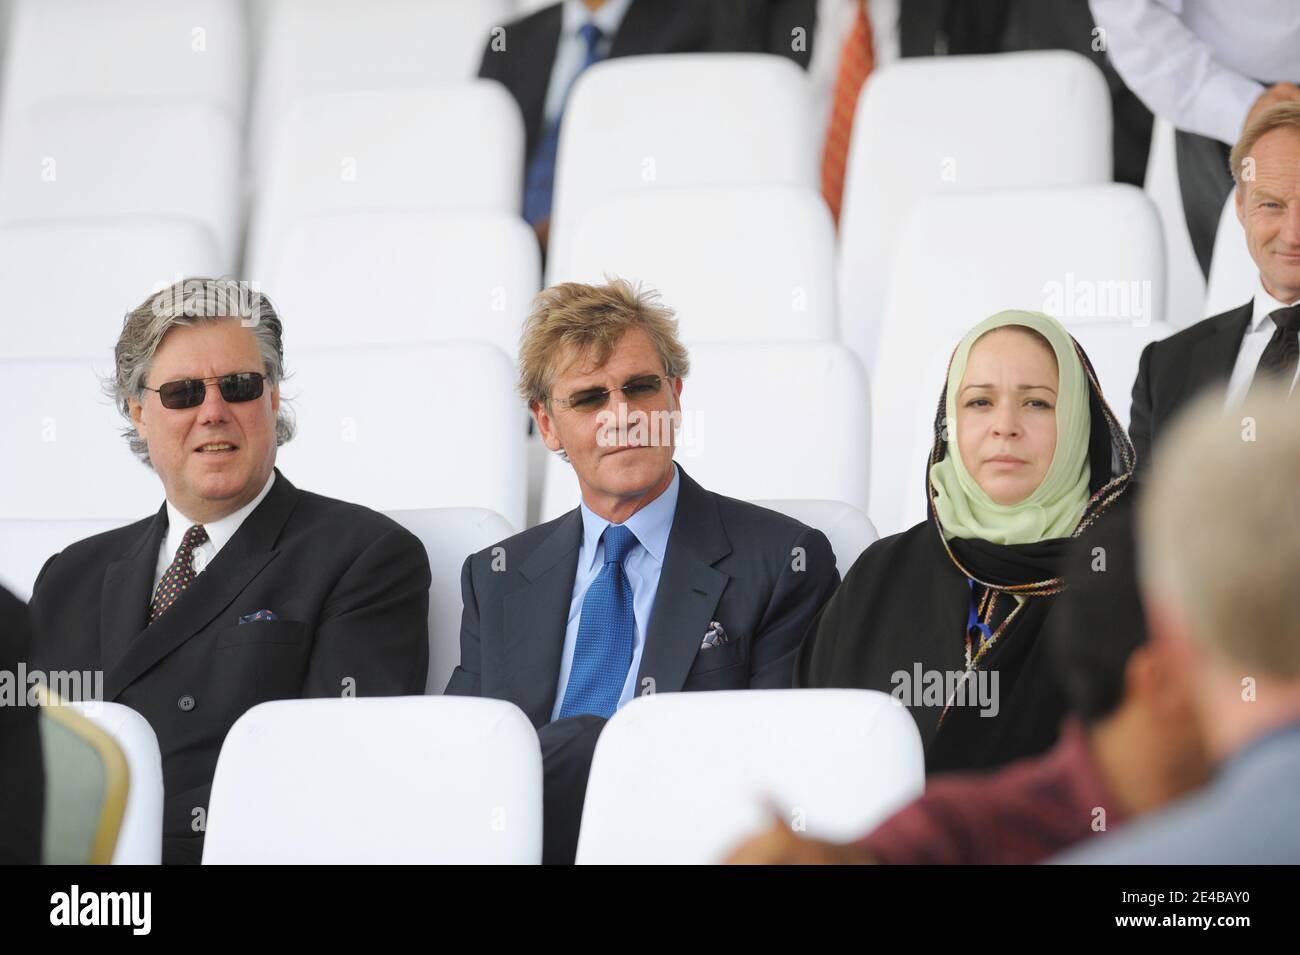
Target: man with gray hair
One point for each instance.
(241, 588)
(1220, 568)
(652, 584)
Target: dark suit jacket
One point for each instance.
(1175, 370)
(649, 26)
(350, 588)
(726, 561)
(22, 792)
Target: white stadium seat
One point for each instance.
(642, 123)
(69, 284)
(119, 51)
(953, 124)
(456, 148)
(736, 263)
(62, 161)
(139, 842)
(685, 777)
(1186, 297)
(390, 278)
(397, 427)
(377, 780)
(807, 435)
(1092, 257)
(310, 47)
(848, 529)
(449, 535)
(25, 544)
(1233, 273)
(65, 454)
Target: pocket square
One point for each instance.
(715, 636)
(260, 615)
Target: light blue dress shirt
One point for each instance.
(571, 49)
(643, 564)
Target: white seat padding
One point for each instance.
(377, 780)
(685, 777)
(449, 535)
(25, 545)
(848, 529)
(1233, 272)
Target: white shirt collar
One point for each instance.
(219, 531)
(609, 17)
(1264, 306)
(651, 525)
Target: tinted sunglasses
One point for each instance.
(189, 392)
(593, 399)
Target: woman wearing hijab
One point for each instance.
(947, 616)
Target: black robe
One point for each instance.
(904, 606)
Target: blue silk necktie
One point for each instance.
(540, 179)
(602, 654)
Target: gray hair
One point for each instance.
(193, 301)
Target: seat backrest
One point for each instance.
(455, 148)
(449, 535)
(1233, 272)
(140, 840)
(69, 284)
(83, 160)
(86, 783)
(684, 777)
(1186, 286)
(736, 263)
(942, 124)
(310, 47)
(61, 425)
(804, 435)
(1090, 256)
(643, 123)
(378, 780)
(848, 529)
(397, 427)
(398, 278)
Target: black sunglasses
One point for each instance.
(189, 392)
(593, 399)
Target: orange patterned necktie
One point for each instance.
(180, 574)
(856, 61)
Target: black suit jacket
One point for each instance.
(350, 588)
(22, 768)
(649, 26)
(1176, 369)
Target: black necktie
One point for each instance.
(1282, 354)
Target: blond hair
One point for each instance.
(1220, 525)
(571, 321)
(1282, 116)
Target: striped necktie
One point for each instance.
(856, 60)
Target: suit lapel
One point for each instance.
(126, 591)
(239, 561)
(535, 617)
(1212, 358)
(689, 590)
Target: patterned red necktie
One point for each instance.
(856, 61)
(180, 574)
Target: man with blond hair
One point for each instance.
(241, 588)
(1233, 353)
(1220, 570)
(652, 584)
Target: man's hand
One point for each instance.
(779, 846)
(1277, 93)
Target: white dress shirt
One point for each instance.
(1200, 63)
(834, 20)
(643, 563)
(1258, 332)
(571, 49)
(218, 533)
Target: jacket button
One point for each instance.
(185, 703)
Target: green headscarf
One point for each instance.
(1057, 504)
